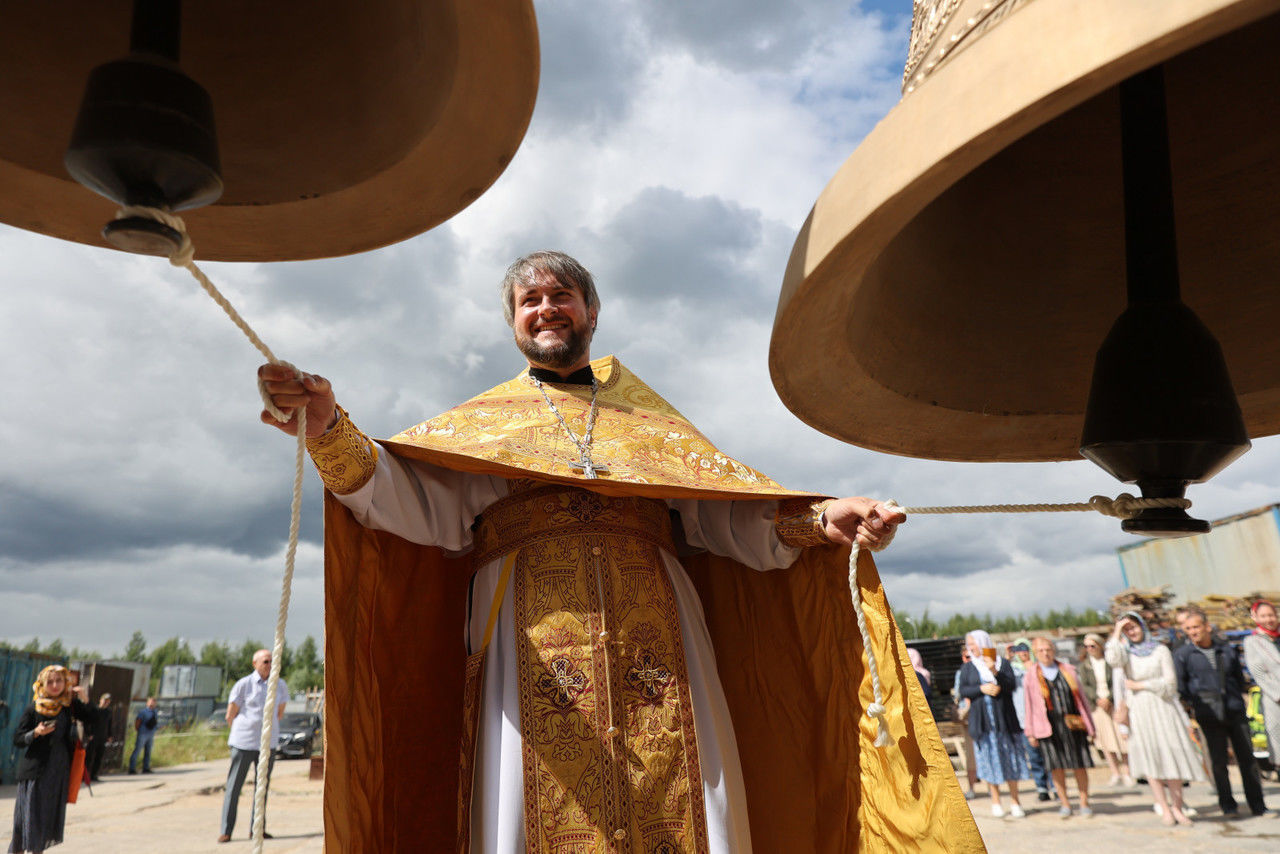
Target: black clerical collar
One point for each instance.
(582, 376)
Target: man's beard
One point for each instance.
(562, 354)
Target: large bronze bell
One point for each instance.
(287, 130)
(1064, 238)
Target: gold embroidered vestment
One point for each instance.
(609, 751)
(599, 646)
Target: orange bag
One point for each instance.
(77, 773)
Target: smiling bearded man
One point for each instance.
(622, 642)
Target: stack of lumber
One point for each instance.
(1232, 612)
(1151, 602)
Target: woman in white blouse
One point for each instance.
(1160, 748)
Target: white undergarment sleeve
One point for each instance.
(742, 530)
(423, 503)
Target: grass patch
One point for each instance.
(178, 745)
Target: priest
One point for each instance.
(628, 641)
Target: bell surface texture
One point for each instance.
(340, 127)
(954, 282)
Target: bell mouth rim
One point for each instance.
(898, 171)
(460, 156)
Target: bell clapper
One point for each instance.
(1162, 412)
(145, 136)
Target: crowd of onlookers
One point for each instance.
(62, 739)
(1159, 713)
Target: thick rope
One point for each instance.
(1124, 506)
(184, 256)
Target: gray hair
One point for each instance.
(564, 268)
(1194, 611)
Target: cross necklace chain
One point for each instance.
(585, 464)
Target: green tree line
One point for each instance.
(956, 625)
(302, 667)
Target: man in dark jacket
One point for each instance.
(98, 733)
(1211, 681)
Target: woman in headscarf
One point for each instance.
(987, 681)
(1058, 722)
(1262, 655)
(47, 733)
(1097, 681)
(1160, 748)
(922, 673)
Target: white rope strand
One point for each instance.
(184, 256)
(877, 708)
(1123, 506)
(262, 778)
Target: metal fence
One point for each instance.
(18, 670)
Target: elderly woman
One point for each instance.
(1160, 748)
(1096, 681)
(1058, 722)
(987, 681)
(1262, 655)
(47, 733)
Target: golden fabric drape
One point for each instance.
(789, 656)
(787, 646)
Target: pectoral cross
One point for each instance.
(587, 468)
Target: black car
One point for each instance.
(298, 734)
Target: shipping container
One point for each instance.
(190, 680)
(1240, 555)
(18, 672)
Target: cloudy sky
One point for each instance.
(675, 149)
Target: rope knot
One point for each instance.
(878, 711)
(186, 251)
(184, 254)
(1120, 507)
(1126, 506)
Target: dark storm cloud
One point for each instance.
(664, 244)
(590, 63)
(37, 527)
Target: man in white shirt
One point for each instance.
(244, 716)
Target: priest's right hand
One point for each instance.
(288, 392)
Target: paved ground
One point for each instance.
(1124, 821)
(176, 810)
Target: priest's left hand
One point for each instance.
(864, 520)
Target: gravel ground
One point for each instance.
(1124, 821)
(177, 810)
